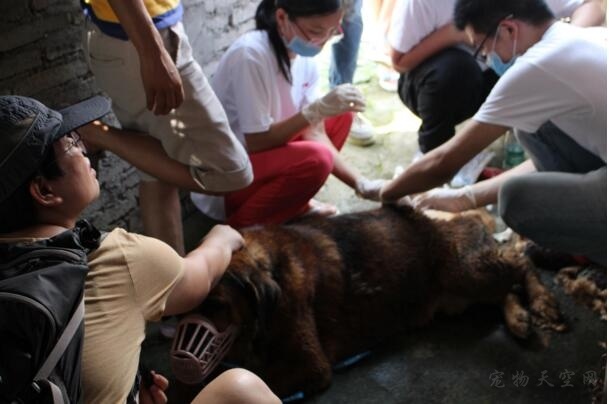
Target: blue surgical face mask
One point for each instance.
(494, 61)
(302, 47)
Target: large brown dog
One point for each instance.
(310, 294)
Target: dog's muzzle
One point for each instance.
(198, 347)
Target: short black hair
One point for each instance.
(18, 211)
(484, 15)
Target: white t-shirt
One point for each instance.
(254, 94)
(413, 20)
(252, 89)
(562, 79)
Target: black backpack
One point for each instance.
(41, 317)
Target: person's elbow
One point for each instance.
(399, 61)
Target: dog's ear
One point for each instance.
(260, 290)
(265, 292)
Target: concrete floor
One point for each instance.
(462, 359)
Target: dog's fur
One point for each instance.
(310, 294)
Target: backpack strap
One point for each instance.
(59, 348)
(56, 393)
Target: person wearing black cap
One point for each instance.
(46, 181)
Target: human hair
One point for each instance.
(18, 211)
(266, 21)
(484, 15)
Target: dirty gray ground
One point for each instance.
(470, 358)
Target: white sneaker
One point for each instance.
(362, 131)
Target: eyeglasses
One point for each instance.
(477, 54)
(74, 140)
(490, 32)
(336, 31)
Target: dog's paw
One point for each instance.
(543, 306)
(545, 313)
(517, 318)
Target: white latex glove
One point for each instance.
(369, 189)
(341, 99)
(446, 199)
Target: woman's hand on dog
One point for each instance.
(225, 235)
(203, 268)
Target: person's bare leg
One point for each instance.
(236, 386)
(162, 213)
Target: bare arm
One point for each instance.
(440, 39)
(142, 151)
(469, 197)
(160, 76)
(486, 192)
(278, 134)
(439, 165)
(203, 268)
(341, 99)
(589, 14)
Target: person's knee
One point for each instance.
(451, 83)
(237, 386)
(250, 386)
(512, 204)
(429, 140)
(317, 161)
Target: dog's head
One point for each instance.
(247, 294)
(231, 320)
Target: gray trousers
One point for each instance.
(563, 206)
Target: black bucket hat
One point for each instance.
(28, 129)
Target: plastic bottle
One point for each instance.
(513, 152)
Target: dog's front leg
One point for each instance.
(299, 361)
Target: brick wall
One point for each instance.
(41, 56)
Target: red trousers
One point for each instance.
(286, 178)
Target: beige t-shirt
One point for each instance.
(129, 281)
